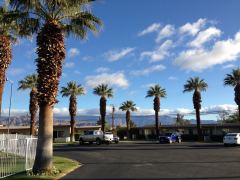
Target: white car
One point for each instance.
(231, 139)
(96, 136)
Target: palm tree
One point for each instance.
(128, 106)
(197, 85)
(73, 90)
(105, 92)
(157, 92)
(8, 32)
(233, 79)
(30, 82)
(50, 19)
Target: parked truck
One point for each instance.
(96, 136)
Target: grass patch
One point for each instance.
(61, 164)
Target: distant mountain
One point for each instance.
(91, 120)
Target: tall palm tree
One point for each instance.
(50, 19)
(73, 90)
(30, 82)
(197, 85)
(105, 92)
(8, 32)
(233, 79)
(128, 106)
(157, 92)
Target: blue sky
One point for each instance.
(144, 43)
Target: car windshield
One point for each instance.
(232, 134)
(168, 134)
(108, 133)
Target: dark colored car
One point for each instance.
(170, 138)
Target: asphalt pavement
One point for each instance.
(141, 160)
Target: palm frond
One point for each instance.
(195, 84)
(128, 106)
(232, 79)
(29, 82)
(72, 88)
(156, 91)
(103, 90)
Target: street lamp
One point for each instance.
(10, 103)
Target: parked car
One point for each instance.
(116, 139)
(231, 139)
(170, 138)
(96, 136)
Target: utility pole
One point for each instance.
(113, 110)
(10, 104)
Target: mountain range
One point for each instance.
(119, 119)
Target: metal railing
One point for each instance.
(17, 153)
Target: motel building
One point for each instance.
(61, 132)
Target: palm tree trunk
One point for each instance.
(156, 106)
(33, 108)
(5, 60)
(51, 53)
(32, 125)
(73, 112)
(1, 94)
(198, 124)
(157, 124)
(239, 113)
(103, 104)
(44, 152)
(72, 129)
(127, 123)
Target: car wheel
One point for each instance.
(98, 141)
(116, 142)
(81, 142)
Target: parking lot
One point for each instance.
(186, 160)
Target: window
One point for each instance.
(90, 132)
(190, 132)
(60, 134)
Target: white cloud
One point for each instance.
(16, 71)
(148, 85)
(152, 28)
(165, 32)
(172, 78)
(87, 58)
(115, 55)
(205, 36)
(73, 52)
(117, 79)
(158, 54)
(102, 70)
(229, 66)
(215, 109)
(76, 72)
(223, 107)
(143, 72)
(193, 28)
(183, 111)
(199, 59)
(14, 112)
(69, 64)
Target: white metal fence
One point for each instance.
(17, 153)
